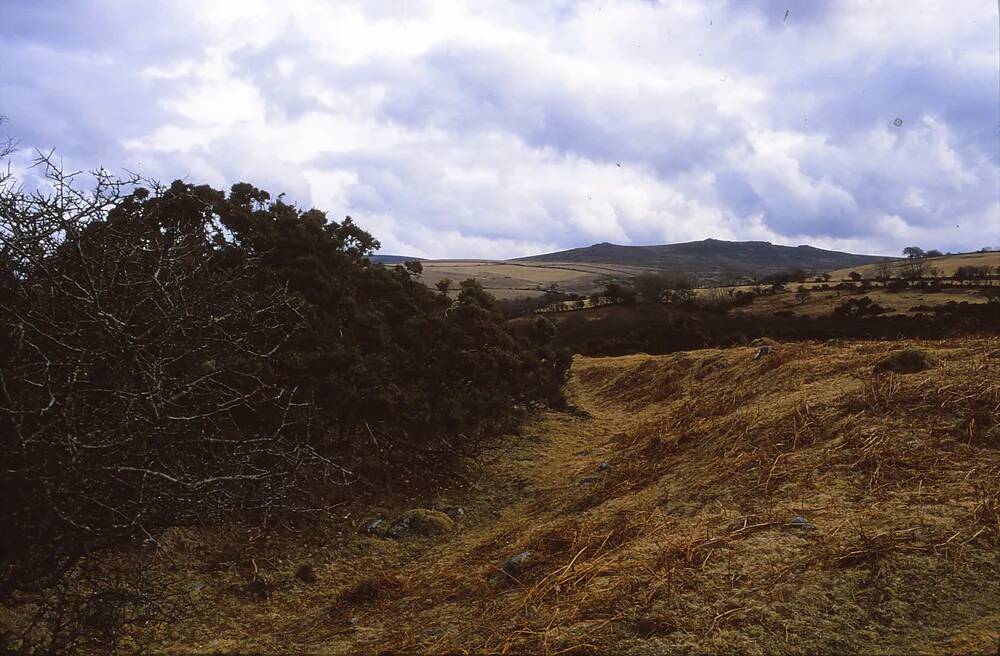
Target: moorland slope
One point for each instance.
(712, 256)
(587, 270)
(699, 502)
(946, 265)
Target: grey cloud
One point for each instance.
(284, 93)
(72, 69)
(727, 117)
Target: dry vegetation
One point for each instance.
(517, 280)
(507, 280)
(822, 302)
(683, 544)
(946, 264)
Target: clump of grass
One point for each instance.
(909, 361)
(305, 573)
(370, 590)
(425, 522)
(987, 510)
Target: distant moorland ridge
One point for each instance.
(709, 255)
(588, 269)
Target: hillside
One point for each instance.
(712, 257)
(513, 279)
(946, 264)
(588, 270)
(699, 502)
(822, 302)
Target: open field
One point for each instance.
(514, 279)
(684, 542)
(946, 264)
(821, 302)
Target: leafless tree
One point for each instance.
(914, 268)
(883, 270)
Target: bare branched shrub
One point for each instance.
(178, 355)
(137, 389)
(91, 609)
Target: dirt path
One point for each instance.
(521, 482)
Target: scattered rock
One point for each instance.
(399, 528)
(906, 362)
(765, 341)
(603, 467)
(761, 352)
(457, 513)
(421, 521)
(515, 564)
(305, 574)
(377, 526)
(801, 522)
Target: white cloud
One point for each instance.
(496, 129)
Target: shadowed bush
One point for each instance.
(657, 329)
(177, 355)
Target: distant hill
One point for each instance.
(393, 259)
(708, 258)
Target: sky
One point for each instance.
(493, 129)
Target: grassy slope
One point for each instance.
(946, 264)
(681, 546)
(701, 260)
(822, 302)
(515, 279)
(586, 270)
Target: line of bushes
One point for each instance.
(178, 355)
(658, 329)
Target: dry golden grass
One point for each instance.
(822, 302)
(513, 279)
(506, 279)
(527, 273)
(682, 545)
(946, 264)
